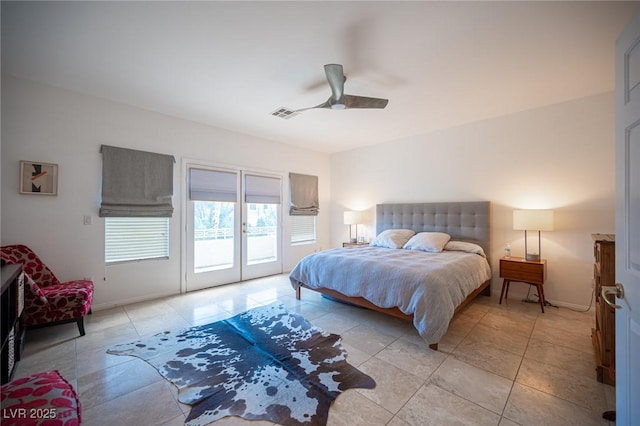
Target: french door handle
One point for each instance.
(618, 290)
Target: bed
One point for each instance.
(426, 288)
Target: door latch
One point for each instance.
(618, 290)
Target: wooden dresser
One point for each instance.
(604, 333)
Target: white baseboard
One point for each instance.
(123, 302)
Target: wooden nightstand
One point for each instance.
(532, 272)
(354, 244)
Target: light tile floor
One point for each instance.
(497, 365)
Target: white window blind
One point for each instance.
(136, 238)
(303, 229)
(213, 185)
(262, 189)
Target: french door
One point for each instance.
(233, 226)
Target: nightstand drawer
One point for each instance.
(516, 270)
(354, 244)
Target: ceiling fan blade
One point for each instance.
(335, 76)
(322, 105)
(352, 101)
(325, 104)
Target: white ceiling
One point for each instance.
(230, 64)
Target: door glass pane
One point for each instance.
(213, 242)
(262, 228)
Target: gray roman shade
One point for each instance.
(303, 195)
(213, 185)
(262, 189)
(136, 183)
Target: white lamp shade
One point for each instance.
(351, 218)
(533, 220)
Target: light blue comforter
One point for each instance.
(427, 285)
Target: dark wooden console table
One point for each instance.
(11, 322)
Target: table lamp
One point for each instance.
(352, 218)
(532, 220)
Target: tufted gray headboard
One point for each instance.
(464, 221)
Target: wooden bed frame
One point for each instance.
(484, 289)
(464, 221)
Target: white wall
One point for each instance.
(42, 123)
(559, 157)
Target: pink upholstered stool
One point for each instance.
(41, 399)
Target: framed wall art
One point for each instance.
(38, 178)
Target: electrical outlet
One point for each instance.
(88, 220)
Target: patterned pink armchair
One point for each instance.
(47, 300)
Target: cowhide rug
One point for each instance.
(264, 364)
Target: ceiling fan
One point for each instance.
(338, 99)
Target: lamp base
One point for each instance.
(535, 257)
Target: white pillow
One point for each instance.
(431, 242)
(465, 246)
(392, 238)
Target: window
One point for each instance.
(136, 238)
(303, 229)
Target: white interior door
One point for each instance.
(233, 226)
(628, 224)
